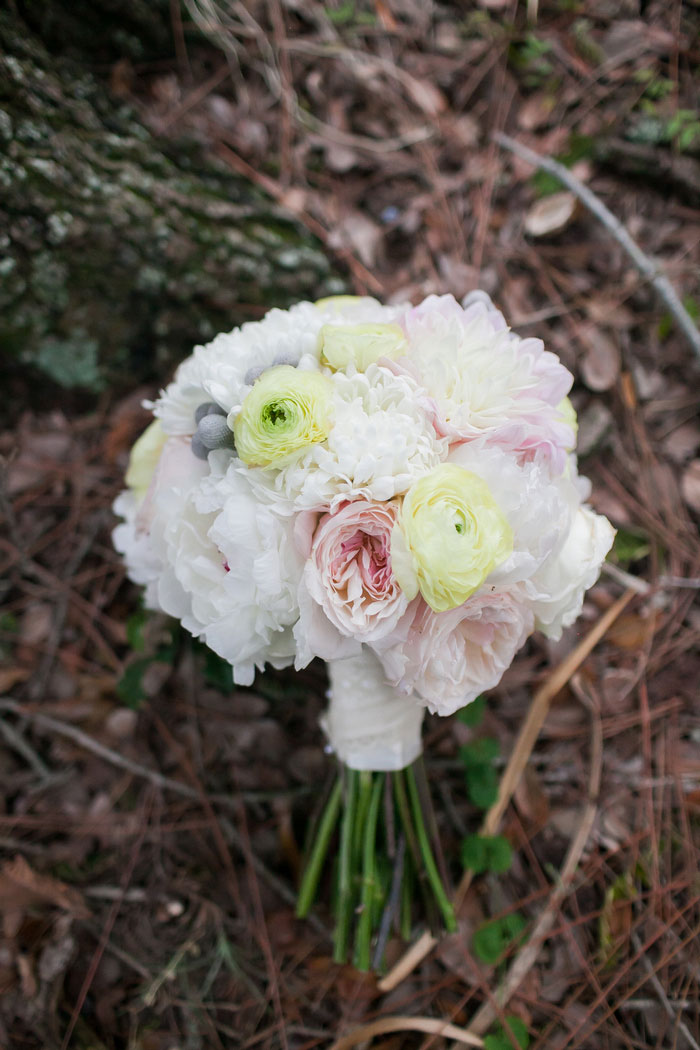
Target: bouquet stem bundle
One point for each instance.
(380, 827)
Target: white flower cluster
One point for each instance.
(344, 475)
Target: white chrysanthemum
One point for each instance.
(382, 438)
(224, 370)
(487, 381)
(557, 590)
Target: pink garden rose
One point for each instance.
(449, 658)
(348, 593)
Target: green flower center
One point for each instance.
(275, 413)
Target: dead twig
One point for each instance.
(430, 1025)
(15, 740)
(511, 776)
(646, 266)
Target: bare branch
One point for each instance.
(646, 266)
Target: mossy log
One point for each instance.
(119, 252)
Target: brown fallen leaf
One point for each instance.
(425, 94)
(551, 214)
(21, 887)
(530, 798)
(601, 362)
(536, 111)
(690, 485)
(11, 676)
(631, 631)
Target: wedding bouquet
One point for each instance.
(392, 489)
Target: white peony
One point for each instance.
(557, 590)
(486, 381)
(259, 570)
(176, 476)
(143, 564)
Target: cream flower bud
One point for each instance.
(452, 534)
(359, 344)
(567, 414)
(286, 410)
(338, 303)
(144, 457)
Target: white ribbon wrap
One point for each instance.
(370, 725)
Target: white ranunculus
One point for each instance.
(382, 439)
(556, 591)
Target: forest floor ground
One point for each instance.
(153, 818)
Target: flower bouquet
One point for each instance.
(392, 489)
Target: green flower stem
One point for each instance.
(414, 852)
(312, 873)
(365, 794)
(391, 911)
(346, 868)
(405, 815)
(369, 844)
(429, 816)
(405, 924)
(428, 859)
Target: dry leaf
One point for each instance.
(600, 366)
(21, 888)
(683, 442)
(426, 96)
(10, 676)
(594, 424)
(536, 111)
(690, 485)
(358, 233)
(36, 624)
(631, 631)
(530, 798)
(551, 214)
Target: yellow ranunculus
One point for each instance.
(359, 344)
(143, 458)
(451, 535)
(286, 410)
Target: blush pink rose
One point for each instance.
(348, 579)
(449, 658)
